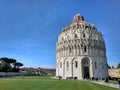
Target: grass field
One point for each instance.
(46, 83)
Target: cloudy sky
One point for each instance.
(29, 28)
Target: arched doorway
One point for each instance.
(85, 68)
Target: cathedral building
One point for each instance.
(81, 51)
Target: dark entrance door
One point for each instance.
(86, 72)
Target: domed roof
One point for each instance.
(80, 33)
(79, 22)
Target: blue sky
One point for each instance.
(29, 28)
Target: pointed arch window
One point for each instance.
(62, 38)
(85, 49)
(76, 64)
(76, 36)
(74, 27)
(96, 65)
(83, 35)
(60, 64)
(102, 65)
(67, 65)
(70, 49)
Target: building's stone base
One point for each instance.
(69, 70)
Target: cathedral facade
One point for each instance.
(81, 51)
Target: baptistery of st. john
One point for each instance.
(81, 51)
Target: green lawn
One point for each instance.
(45, 83)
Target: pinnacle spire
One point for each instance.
(77, 18)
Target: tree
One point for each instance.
(16, 66)
(112, 66)
(5, 67)
(118, 66)
(11, 62)
(9, 65)
(108, 66)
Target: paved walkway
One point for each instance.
(106, 84)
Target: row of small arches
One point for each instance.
(84, 63)
(75, 36)
(83, 25)
(82, 42)
(85, 47)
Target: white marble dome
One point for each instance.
(81, 51)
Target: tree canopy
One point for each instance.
(109, 66)
(118, 66)
(9, 65)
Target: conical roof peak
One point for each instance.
(77, 18)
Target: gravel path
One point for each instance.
(106, 84)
